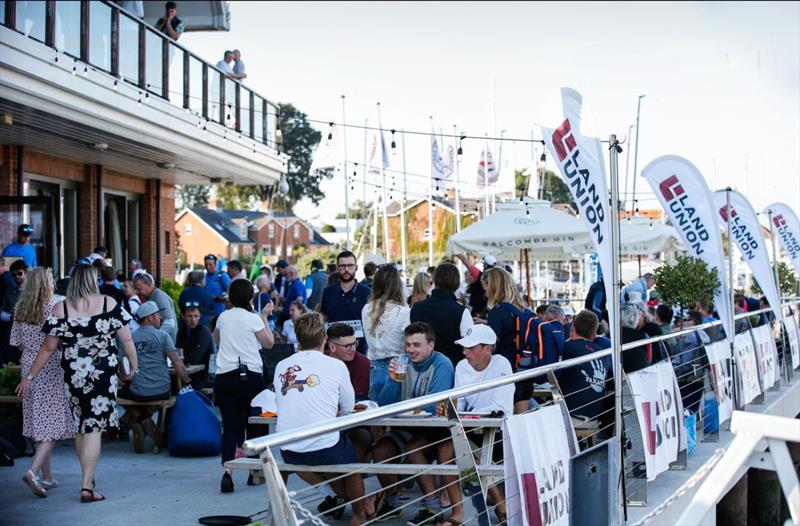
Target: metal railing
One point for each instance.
(104, 37)
(692, 374)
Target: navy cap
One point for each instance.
(24, 230)
(282, 263)
(212, 257)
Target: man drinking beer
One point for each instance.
(426, 371)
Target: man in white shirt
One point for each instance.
(480, 365)
(225, 63)
(311, 388)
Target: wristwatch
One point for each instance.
(29, 377)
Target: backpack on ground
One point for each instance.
(526, 339)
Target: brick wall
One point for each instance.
(202, 240)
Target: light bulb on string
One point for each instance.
(115, 85)
(147, 97)
(85, 70)
(394, 144)
(330, 131)
(74, 70)
(651, 225)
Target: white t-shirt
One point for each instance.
(466, 322)
(497, 399)
(237, 340)
(311, 388)
(389, 340)
(224, 66)
(288, 333)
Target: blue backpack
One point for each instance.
(526, 340)
(194, 429)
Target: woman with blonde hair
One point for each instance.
(421, 289)
(45, 414)
(500, 293)
(87, 325)
(384, 318)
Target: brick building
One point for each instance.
(100, 118)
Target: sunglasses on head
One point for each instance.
(191, 304)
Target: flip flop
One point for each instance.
(379, 498)
(451, 521)
(91, 497)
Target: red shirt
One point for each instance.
(358, 368)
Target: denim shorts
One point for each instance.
(378, 376)
(340, 453)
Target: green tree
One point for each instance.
(686, 282)
(553, 188)
(299, 141)
(786, 278)
(327, 229)
(193, 195)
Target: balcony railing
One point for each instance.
(102, 35)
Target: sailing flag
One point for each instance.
(377, 156)
(685, 197)
(254, 272)
(441, 167)
(787, 227)
(580, 160)
(329, 151)
(482, 170)
(746, 232)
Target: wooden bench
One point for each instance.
(10, 399)
(255, 467)
(162, 406)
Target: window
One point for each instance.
(167, 243)
(271, 230)
(187, 229)
(297, 231)
(243, 230)
(267, 250)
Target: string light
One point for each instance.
(74, 69)
(85, 70)
(330, 131)
(394, 144)
(115, 84)
(139, 103)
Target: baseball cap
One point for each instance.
(262, 267)
(146, 309)
(282, 263)
(568, 311)
(475, 335)
(490, 260)
(24, 230)
(211, 257)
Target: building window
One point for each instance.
(187, 229)
(297, 231)
(243, 230)
(271, 230)
(267, 250)
(167, 243)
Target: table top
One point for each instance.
(190, 369)
(431, 421)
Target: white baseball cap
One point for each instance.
(489, 259)
(568, 311)
(478, 334)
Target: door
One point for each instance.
(39, 212)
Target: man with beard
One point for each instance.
(344, 301)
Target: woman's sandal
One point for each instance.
(91, 497)
(451, 521)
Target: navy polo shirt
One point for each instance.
(584, 386)
(338, 305)
(295, 289)
(216, 285)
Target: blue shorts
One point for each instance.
(340, 453)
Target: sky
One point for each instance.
(721, 82)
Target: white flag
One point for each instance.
(377, 156)
(329, 151)
(441, 167)
(746, 232)
(787, 227)
(685, 197)
(719, 363)
(482, 170)
(581, 163)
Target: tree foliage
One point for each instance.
(553, 188)
(786, 278)
(299, 141)
(192, 196)
(686, 282)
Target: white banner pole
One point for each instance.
(788, 371)
(734, 364)
(387, 249)
(344, 172)
(616, 333)
(458, 175)
(403, 255)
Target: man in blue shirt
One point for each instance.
(344, 301)
(22, 248)
(295, 289)
(584, 386)
(316, 283)
(216, 284)
(550, 339)
(195, 295)
(428, 372)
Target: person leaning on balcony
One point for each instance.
(225, 64)
(238, 65)
(170, 24)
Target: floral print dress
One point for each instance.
(90, 363)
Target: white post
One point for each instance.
(430, 207)
(387, 252)
(486, 174)
(403, 254)
(636, 153)
(788, 371)
(344, 171)
(616, 333)
(730, 293)
(458, 175)
(628, 164)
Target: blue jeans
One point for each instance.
(378, 375)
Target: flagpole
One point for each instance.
(730, 291)
(387, 253)
(486, 174)
(788, 372)
(344, 171)
(364, 185)
(616, 334)
(403, 254)
(430, 209)
(458, 199)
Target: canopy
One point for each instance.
(551, 234)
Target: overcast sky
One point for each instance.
(722, 80)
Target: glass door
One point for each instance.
(37, 211)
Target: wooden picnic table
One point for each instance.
(190, 370)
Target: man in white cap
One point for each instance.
(488, 262)
(480, 365)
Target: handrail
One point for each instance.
(355, 419)
(343, 422)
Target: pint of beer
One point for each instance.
(401, 365)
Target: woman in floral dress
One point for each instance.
(45, 414)
(86, 325)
